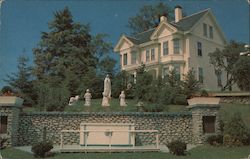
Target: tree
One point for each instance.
(190, 84)
(225, 60)
(148, 17)
(143, 83)
(22, 80)
(241, 73)
(120, 83)
(68, 52)
(107, 66)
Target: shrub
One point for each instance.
(52, 97)
(235, 131)
(180, 99)
(177, 147)
(41, 149)
(204, 93)
(215, 140)
(2, 142)
(6, 90)
(247, 140)
(231, 141)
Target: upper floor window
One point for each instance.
(133, 57)
(177, 71)
(152, 54)
(211, 32)
(147, 55)
(200, 75)
(3, 124)
(165, 48)
(125, 59)
(176, 46)
(205, 29)
(199, 48)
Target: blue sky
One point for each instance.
(24, 20)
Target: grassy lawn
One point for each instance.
(202, 152)
(114, 106)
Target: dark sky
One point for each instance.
(22, 21)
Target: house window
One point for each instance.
(133, 57)
(147, 55)
(165, 48)
(176, 46)
(152, 54)
(211, 32)
(177, 71)
(205, 29)
(125, 59)
(165, 72)
(200, 76)
(208, 123)
(199, 48)
(3, 125)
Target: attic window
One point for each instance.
(211, 36)
(205, 29)
(125, 59)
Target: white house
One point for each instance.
(182, 45)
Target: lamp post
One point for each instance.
(246, 53)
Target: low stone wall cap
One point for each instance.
(11, 101)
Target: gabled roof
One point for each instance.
(185, 24)
(141, 37)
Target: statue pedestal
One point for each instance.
(105, 101)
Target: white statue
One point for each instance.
(122, 99)
(106, 92)
(72, 100)
(87, 97)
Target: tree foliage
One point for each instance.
(148, 17)
(241, 73)
(225, 60)
(21, 81)
(68, 48)
(67, 58)
(190, 84)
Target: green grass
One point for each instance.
(114, 106)
(201, 152)
(227, 110)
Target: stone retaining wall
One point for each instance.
(235, 100)
(171, 126)
(12, 114)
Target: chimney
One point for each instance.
(163, 18)
(178, 13)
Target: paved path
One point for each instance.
(56, 148)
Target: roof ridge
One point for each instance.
(145, 31)
(131, 37)
(193, 14)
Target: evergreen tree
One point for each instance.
(21, 81)
(190, 84)
(68, 52)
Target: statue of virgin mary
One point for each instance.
(106, 92)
